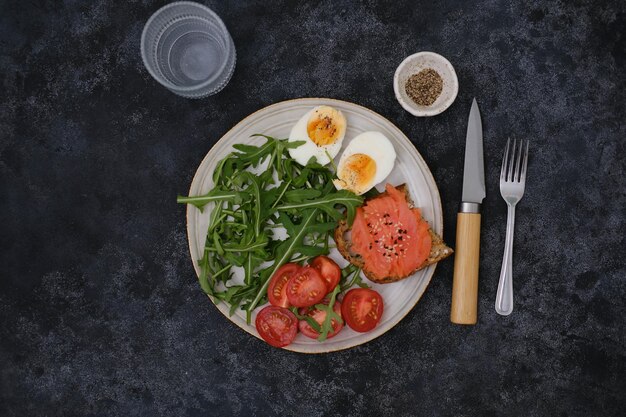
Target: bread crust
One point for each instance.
(438, 251)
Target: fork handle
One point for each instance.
(504, 296)
(465, 282)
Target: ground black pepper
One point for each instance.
(424, 87)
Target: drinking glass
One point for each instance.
(186, 47)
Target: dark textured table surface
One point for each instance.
(100, 310)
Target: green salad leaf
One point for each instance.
(257, 190)
(328, 202)
(327, 326)
(215, 195)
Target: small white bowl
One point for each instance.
(414, 64)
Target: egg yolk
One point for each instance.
(358, 172)
(325, 126)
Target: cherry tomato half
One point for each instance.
(362, 309)
(306, 287)
(277, 288)
(319, 317)
(276, 325)
(329, 270)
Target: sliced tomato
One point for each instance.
(277, 288)
(276, 325)
(319, 317)
(306, 287)
(329, 270)
(362, 309)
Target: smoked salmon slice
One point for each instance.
(389, 238)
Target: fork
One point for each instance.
(512, 184)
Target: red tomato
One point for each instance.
(277, 288)
(276, 325)
(306, 287)
(329, 270)
(362, 309)
(319, 317)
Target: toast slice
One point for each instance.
(439, 249)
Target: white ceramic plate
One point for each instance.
(277, 120)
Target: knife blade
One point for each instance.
(467, 252)
(474, 168)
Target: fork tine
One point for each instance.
(509, 176)
(525, 163)
(517, 175)
(505, 159)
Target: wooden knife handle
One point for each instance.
(465, 281)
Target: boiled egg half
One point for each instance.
(367, 160)
(322, 130)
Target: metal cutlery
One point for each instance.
(464, 305)
(512, 184)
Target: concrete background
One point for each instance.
(100, 310)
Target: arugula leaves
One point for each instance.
(328, 202)
(247, 207)
(215, 195)
(327, 326)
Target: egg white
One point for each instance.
(376, 146)
(309, 149)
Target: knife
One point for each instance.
(465, 281)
